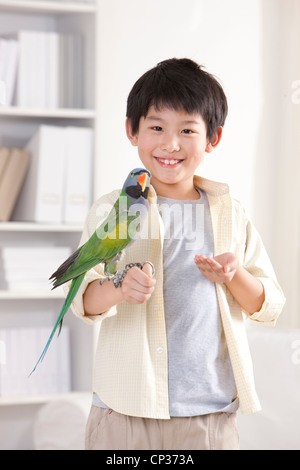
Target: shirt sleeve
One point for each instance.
(96, 273)
(257, 262)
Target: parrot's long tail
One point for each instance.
(76, 283)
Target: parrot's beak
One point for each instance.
(142, 180)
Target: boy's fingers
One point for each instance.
(148, 269)
(214, 265)
(144, 276)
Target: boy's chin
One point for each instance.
(165, 180)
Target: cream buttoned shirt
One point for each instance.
(131, 364)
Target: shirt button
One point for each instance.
(156, 307)
(160, 350)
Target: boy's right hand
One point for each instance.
(138, 284)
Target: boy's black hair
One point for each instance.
(179, 84)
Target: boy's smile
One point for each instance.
(168, 163)
(172, 144)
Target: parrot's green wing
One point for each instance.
(105, 243)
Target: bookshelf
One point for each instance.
(17, 126)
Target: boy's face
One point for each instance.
(172, 144)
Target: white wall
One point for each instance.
(224, 36)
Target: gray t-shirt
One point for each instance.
(200, 374)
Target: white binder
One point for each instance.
(41, 198)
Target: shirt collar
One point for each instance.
(212, 188)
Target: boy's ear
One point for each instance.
(132, 137)
(215, 140)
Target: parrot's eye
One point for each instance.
(132, 174)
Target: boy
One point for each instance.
(172, 364)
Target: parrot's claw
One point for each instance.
(107, 278)
(118, 277)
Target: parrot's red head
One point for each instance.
(142, 180)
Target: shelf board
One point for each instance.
(32, 295)
(61, 113)
(40, 399)
(55, 7)
(38, 227)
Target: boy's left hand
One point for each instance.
(220, 269)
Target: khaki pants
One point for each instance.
(108, 430)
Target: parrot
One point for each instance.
(116, 232)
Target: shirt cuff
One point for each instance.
(271, 309)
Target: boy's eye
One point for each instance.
(157, 128)
(187, 131)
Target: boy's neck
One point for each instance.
(176, 191)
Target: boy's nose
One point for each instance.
(172, 145)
